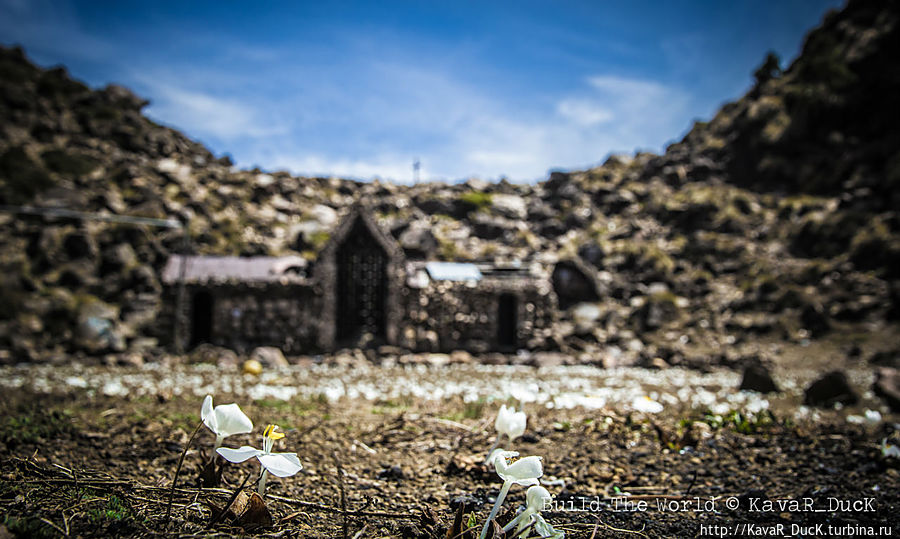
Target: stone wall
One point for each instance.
(443, 316)
(446, 316)
(249, 315)
(278, 315)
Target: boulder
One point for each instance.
(815, 319)
(78, 245)
(488, 227)
(462, 357)
(117, 258)
(509, 206)
(758, 378)
(548, 359)
(552, 228)
(889, 358)
(656, 311)
(592, 254)
(832, 388)
(98, 329)
(215, 355)
(574, 283)
(437, 360)
(418, 241)
(586, 314)
(269, 357)
(887, 386)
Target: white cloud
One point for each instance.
(389, 167)
(584, 112)
(458, 130)
(206, 115)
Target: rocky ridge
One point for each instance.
(775, 220)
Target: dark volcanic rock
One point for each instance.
(889, 358)
(573, 283)
(887, 386)
(831, 389)
(758, 378)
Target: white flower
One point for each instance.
(510, 422)
(525, 472)
(279, 464)
(889, 450)
(545, 530)
(224, 420)
(535, 500)
(647, 405)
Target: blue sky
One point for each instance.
(361, 89)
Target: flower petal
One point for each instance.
(524, 471)
(510, 422)
(281, 464)
(239, 455)
(501, 454)
(647, 405)
(502, 418)
(527, 482)
(516, 426)
(207, 415)
(231, 420)
(546, 530)
(537, 497)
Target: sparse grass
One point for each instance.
(742, 422)
(469, 410)
(115, 509)
(28, 526)
(34, 424)
(477, 200)
(286, 413)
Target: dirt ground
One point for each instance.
(94, 466)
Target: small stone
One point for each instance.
(252, 366)
(548, 359)
(658, 363)
(269, 357)
(393, 472)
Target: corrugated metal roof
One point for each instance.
(453, 271)
(201, 269)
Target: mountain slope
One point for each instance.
(776, 218)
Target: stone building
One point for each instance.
(361, 291)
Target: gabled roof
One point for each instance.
(212, 269)
(359, 212)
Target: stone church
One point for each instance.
(361, 291)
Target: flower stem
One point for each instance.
(262, 482)
(513, 522)
(218, 444)
(178, 471)
(500, 497)
(491, 450)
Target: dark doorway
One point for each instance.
(201, 317)
(507, 323)
(361, 286)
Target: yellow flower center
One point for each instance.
(272, 433)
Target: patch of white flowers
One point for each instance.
(228, 419)
(526, 472)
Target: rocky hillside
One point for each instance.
(777, 219)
